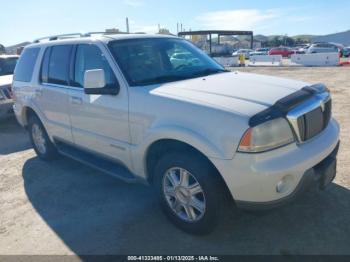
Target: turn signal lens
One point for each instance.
(246, 139)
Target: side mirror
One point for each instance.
(94, 79)
(95, 83)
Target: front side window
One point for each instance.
(58, 65)
(89, 57)
(7, 65)
(160, 60)
(26, 63)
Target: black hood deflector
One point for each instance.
(285, 104)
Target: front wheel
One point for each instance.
(190, 191)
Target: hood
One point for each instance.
(237, 92)
(6, 80)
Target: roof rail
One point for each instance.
(74, 35)
(56, 37)
(104, 33)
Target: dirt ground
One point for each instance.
(63, 207)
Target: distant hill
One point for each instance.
(261, 38)
(306, 38)
(13, 49)
(341, 38)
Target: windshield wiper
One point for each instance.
(161, 79)
(210, 71)
(172, 78)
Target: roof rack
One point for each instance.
(74, 35)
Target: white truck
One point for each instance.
(196, 132)
(7, 66)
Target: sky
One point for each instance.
(27, 20)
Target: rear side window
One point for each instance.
(57, 59)
(25, 67)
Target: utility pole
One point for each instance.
(285, 40)
(177, 28)
(127, 26)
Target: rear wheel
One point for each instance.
(190, 191)
(41, 142)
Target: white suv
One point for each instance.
(195, 131)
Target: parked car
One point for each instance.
(339, 46)
(7, 66)
(346, 52)
(301, 49)
(199, 134)
(245, 52)
(260, 51)
(183, 59)
(283, 51)
(323, 48)
(256, 53)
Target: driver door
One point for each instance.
(99, 122)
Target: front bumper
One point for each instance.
(321, 175)
(253, 178)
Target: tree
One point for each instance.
(164, 31)
(289, 41)
(2, 49)
(279, 41)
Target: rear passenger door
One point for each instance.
(54, 99)
(99, 122)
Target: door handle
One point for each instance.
(76, 100)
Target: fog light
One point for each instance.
(284, 184)
(280, 186)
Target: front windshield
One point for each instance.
(7, 66)
(160, 60)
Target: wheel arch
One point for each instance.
(163, 146)
(27, 112)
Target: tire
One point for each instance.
(41, 142)
(199, 171)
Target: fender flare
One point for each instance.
(171, 132)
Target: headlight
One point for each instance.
(269, 135)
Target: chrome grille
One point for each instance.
(312, 117)
(6, 91)
(313, 122)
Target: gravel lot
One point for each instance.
(63, 207)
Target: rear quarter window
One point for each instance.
(25, 66)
